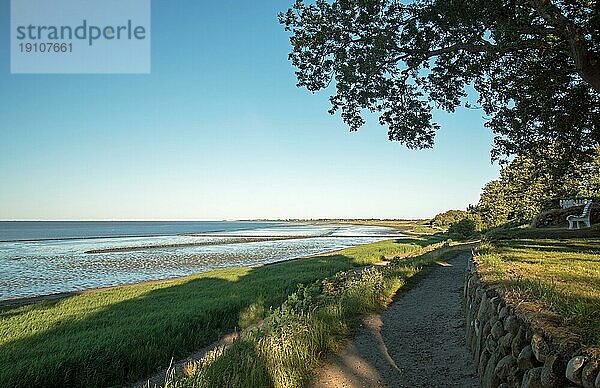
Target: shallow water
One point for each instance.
(40, 267)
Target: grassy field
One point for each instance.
(122, 334)
(562, 275)
(311, 323)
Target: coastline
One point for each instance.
(27, 300)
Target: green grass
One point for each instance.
(562, 275)
(311, 323)
(389, 249)
(122, 334)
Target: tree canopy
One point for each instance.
(535, 65)
(447, 218)
(527, 186)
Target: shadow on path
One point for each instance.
(417, 342)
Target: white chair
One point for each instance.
(584, 217)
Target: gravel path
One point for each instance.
(418, 341)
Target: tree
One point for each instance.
(447, 218)
(535, 65)
(493, 207)
(462, 229)
(528, 186)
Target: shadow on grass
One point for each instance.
(423, 240)
(578, 313)
(580, 246)
(543, 233)
(119, 342)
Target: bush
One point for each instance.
(447, 218)
(463, 229)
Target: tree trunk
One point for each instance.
(588, 65)
(586, 62)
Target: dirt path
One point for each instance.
(418, 342)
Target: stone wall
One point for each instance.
(513, 347)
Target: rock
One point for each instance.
(552, 372)
(505, 343)
(525, 359)
(472, 282)
(495, 302)
(503, 313)
(574, 369)
(490, 344)
(493, 320)
(483, 360)
(478, 345)
(479, 295)
(490, 380)
(483, 307)
(497, 330)
(480, 340)
(469, 285)
(506, 367)
(472, 334)
(501, 305)
(589, 372)
(487, 328)
(531, 378)
(518, 343)
(539, 347)
(511, 324)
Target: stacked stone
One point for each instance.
(509, 353)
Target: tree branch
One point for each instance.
(586, 61)
(471, 48)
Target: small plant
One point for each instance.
(252, 314)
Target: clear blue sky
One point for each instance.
(218, 130)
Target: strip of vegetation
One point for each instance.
(312, 322)
(390, 249)
(122, 334)
(562, 275)
(410, 227)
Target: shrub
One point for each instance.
(463, 229)
(447, 218)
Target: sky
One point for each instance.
(217, 130)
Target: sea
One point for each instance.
(49, 257)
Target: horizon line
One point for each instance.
(215, 220)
